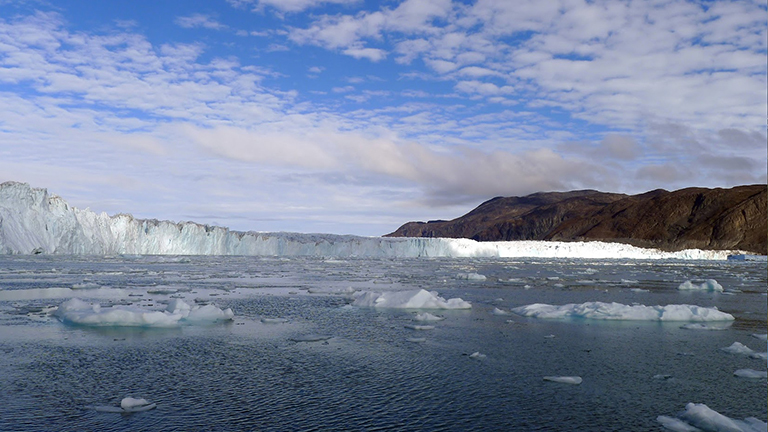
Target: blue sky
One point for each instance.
(353, 117)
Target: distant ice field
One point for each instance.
(379, 343)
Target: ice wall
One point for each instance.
(32, 221)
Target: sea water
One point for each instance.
(299, 355)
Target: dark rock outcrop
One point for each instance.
(735, 218)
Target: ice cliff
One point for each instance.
(33, 221)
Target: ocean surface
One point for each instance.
(298, 356)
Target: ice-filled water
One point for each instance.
(377, 344)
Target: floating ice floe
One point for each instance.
(426, 316)
(129, 405)
(497, 311)
(86, 285)
(710, 327)
(738, 348)
(750, 373)
(471, 277)
(76, 311)
(420, 327)
(412, 299)
(701, 418)
(618, 311)
(708, 285)
(574, 380)
(274, 320)
(760, 336)
(477, 356)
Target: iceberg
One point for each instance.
(618, 311)
(76, 311)
(699, 417)
(412, 299)
(32, 221)
(708, 285)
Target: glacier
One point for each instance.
(32, 221)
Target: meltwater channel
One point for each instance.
(301, 354)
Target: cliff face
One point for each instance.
(701, 218)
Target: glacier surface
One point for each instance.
(33, 221)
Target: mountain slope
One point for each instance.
(735, 218)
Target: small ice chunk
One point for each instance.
(497, 311)
(738, 348)
(471, 276)
(130, 404)
(426, 316)
(412, 299)
(274, 320)
(761, 336)
(750, 373)
(708, 285)
(639, 290)
(420, 327)
(574, 380)
(477, 356)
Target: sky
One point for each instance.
(356, 116)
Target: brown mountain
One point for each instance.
(735, 218)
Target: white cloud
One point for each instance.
(300, 5)
(199, 20)
(483, 88)
(372, 54)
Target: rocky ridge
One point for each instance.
(701, 218)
